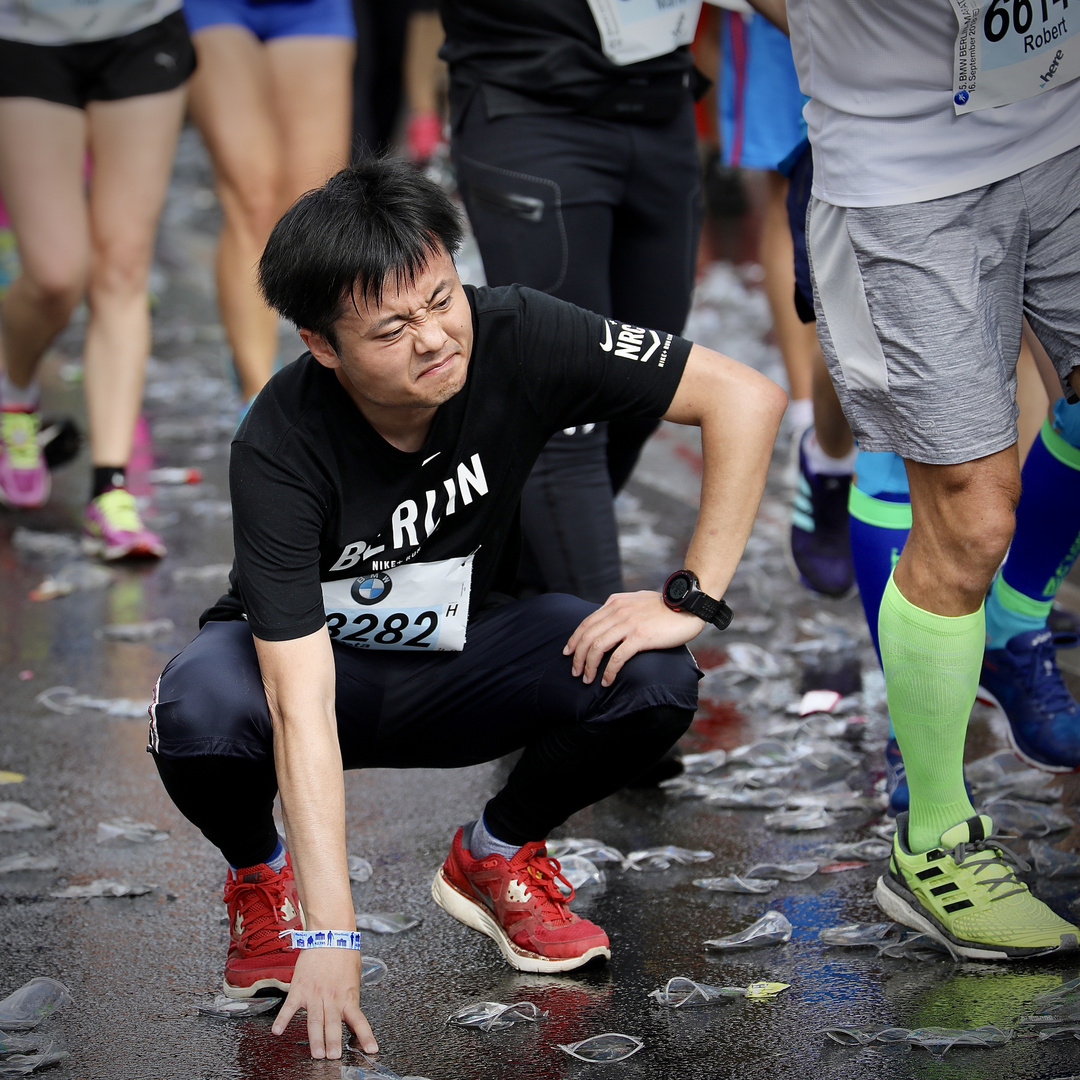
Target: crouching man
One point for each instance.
(375, 487)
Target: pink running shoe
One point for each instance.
(113, 529)
(24, 476)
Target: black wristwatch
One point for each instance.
(682, 593)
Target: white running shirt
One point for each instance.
(881, 117)
(66, 22)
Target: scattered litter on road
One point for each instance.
(610, 1046)
(792, 871)
(16, 1064)
(227, 1008)
(818, 701)
(870, 850)
(372, 971)
(748, 798)
(773, 928)
(14, 864)
(1004, 773)
(72, 577)
(661, 858)
(681, 992)
(175, 476)
(102, 887)
(137, 631)
(935, 1039)
(735, 884)
(799, 820)
(11, 777)
(67, 701)
(129, 831)
(16, 816)
(385, 922)
(1069, 1031)
(360, 870)
(752, 660)
(594, 850)
(1026, 819)
(44, 545)
(33, 1002)
(890, 939)
(703, 764)
(579, 872)
(492, 1016)
(1051, 863)
(841, 867)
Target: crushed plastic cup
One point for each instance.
(868, 850)
(799, 820)
(856, 934)
(611, 1046)
(360, 870)
(773, 928)
(736, 884)
(1066, 997)
(937, 1040)
(25, 1064)
(102, 887)
(372, 971)
(227, 1008)
(1066, 1031)
(16, 816)
(72, 577)
(14, 864)
(594, 850)
(748, 798)
(703, 764)
(767, 753)
(44, 545)
(385, 922)
(681, 992)
(1026, 819)
(661, 858)
(33, 1002)
(792, 871)
(1051, 863)
(493, 1016)
(891, 940)
(126, 830)
(579, 872)
(752, 660)
(67, 701)
(1003, 772)
(138, 631)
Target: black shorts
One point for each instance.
(153, 60)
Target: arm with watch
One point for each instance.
(739, 412)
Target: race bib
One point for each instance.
(1009, 50)
(415, 607)
(635, 30)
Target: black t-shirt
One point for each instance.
(542, 49)
(318, 496)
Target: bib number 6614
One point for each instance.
(413, 628)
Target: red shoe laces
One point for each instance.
(258, 903)
(542, 875)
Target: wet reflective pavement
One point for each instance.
(139, 967)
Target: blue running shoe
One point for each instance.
(820, 535)
(1024, 681)
(895, 780)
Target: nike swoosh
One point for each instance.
(606, 343)
(432, 458)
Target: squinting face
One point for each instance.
(411, 351)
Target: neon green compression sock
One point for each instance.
(931, 665)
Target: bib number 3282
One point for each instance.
(416, 607)
(1009, 50)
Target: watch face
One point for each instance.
(677, 588)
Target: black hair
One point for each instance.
(375, 222)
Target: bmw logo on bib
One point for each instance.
(371, 589)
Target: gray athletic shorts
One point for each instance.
(919, 308)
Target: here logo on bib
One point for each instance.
(1009, 50)
(415, 607)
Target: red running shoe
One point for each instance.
(261, 903)
(517, 903)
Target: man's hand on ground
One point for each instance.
(326, 984)
(635, 622)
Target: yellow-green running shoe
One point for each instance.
(967, 892)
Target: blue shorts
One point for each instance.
(760, 104)
(275, 18)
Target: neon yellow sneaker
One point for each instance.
(24, 477)
(967, 892)
(113, 529)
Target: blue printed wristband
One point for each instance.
(323, 939)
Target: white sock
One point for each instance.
(821, 464)
(799, 415)
(19, 397)
(482, 844)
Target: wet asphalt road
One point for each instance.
(138, 967)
